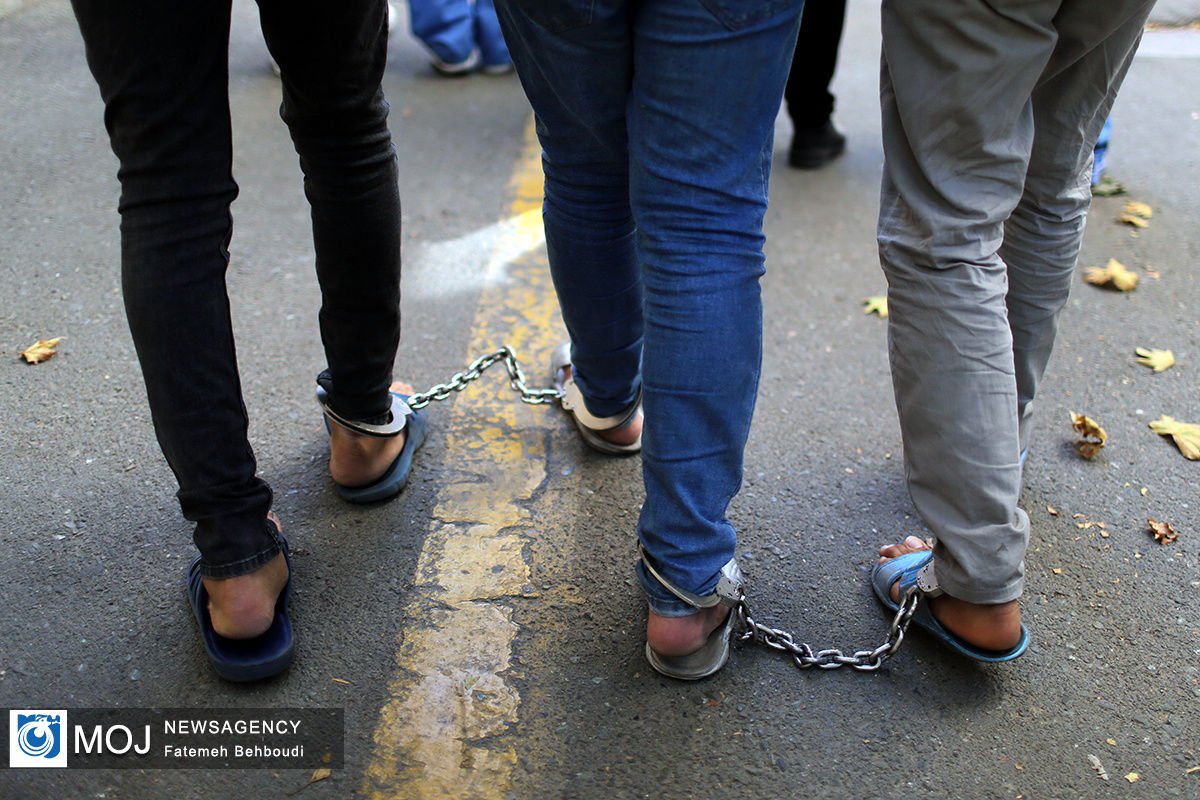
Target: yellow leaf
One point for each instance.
(1138, 209)
(1113, 742)
(1093, 435)
(1185, 434)
(1133, 777)
(1057, 571)
(1163, 532)
(1107, 187)
(1157, 360)
(1130, 219)
(1113, 274)
(877, 305)
(41, 351)
(1052, 510)
(320, 774)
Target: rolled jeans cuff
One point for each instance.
(271, 547)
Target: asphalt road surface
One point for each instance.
(483, 632)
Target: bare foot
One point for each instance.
(244, 607)
(681, 636)
(995, 626)
(358, 460)
(626, 434)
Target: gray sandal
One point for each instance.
(589, 425)
(713, 654)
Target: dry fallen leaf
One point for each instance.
(1157, 360)
(1107, 187)
(41, 351)
(1185, 434)
(1133, 777)
(1137, 209)
(1163, 532)
(876, 305)
(320, 774)
(1113, 274)
(1130, 219)
(1093, 435)
(1052, 510)
(1101, 773)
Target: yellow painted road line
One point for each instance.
(441, 730)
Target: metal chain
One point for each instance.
(806, 656)
(802, 653)
(516, 379)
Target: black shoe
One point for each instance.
(816, 147)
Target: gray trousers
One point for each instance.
(990, 112)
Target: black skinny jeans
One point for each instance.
(163, 69)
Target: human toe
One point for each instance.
(912, 544)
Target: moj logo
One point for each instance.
(35, 738)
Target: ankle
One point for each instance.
(244, 607)
(681, 636)
(355, 459)
(627, 433)
(995, 626)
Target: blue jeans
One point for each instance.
(452, 29)
(656, 122)
(162, 70)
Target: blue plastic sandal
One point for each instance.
(243, 660)
(904, 569)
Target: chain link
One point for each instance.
(802, 653)
(805, 656)
(516, 379)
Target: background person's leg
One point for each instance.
(809, 102)
(447, 29)
(493, 52)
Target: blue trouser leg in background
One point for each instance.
(656, 122)
(446, 27)
(493, 51)
(1100, 152)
